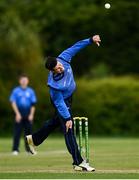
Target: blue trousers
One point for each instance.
(70, 139)
(23, 124)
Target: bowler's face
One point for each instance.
(58, 68)
(23, 81)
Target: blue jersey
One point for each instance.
(24, 99)
(63, 85)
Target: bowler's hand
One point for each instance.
(18, 117)
(68, 125)
(96, 39)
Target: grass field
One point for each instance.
(112, 157)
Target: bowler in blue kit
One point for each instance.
(23, 100)
(61, 86)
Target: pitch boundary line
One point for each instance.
(116, 171)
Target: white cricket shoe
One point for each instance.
(77, 168)
(31, 145)
(15, 153)
(84, 167)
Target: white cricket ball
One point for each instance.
(107, 6)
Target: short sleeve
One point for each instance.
(13, 96)
(33, 97)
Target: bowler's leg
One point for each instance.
(44, 132)
(72, 145)
(70, 138)
(27, 131)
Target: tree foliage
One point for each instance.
(30, 30)
(57, 25)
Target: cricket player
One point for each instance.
(23, 100)
(62, 86)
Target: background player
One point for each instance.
(23, 100)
